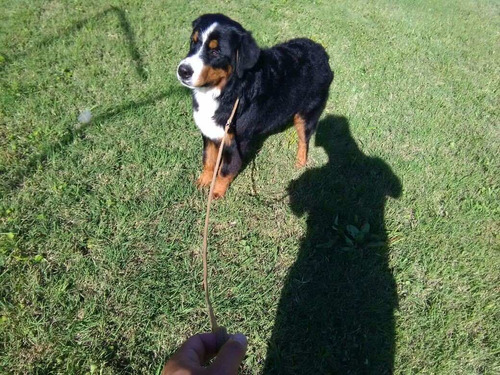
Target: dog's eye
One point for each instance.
(214, 52)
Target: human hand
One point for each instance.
(191, 357)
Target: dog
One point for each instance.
(289, 81)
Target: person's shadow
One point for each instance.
(336, 311)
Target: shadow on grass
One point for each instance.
(77, 26)
(336, 311)
(15, 180)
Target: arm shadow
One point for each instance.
(25, 170)
(336, 310)
(128, 32)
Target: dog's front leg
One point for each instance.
(210, 151)
(231, 165)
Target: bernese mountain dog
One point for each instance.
(289, 81)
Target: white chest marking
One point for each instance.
(203, 117)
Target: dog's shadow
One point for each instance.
(336, 311)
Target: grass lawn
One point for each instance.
(382, 256)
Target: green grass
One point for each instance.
(100, 225)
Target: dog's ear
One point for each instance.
(248, 54)
(195, 23)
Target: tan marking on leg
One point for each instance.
(222, 183)
(209, 159)
(300, 126)
(229, 138)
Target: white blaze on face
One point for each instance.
(206, 97)
(195, 61)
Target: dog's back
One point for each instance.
(290, 78)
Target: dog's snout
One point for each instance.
(185, 71)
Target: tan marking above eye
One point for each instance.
(195, 37)
(213, 44)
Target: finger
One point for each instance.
(230, 356)
(198, 349)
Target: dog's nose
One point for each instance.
(185, 71)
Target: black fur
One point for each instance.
(273, 84)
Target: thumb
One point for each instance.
(230, 356)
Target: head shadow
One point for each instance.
(336, 310)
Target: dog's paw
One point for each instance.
(205, 179)
(221, 185)
(219, 191)
(300, 163)
(219, 195)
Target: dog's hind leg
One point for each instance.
(305, 126)
(300, 126)
(306, 123)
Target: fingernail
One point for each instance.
(240, 338)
